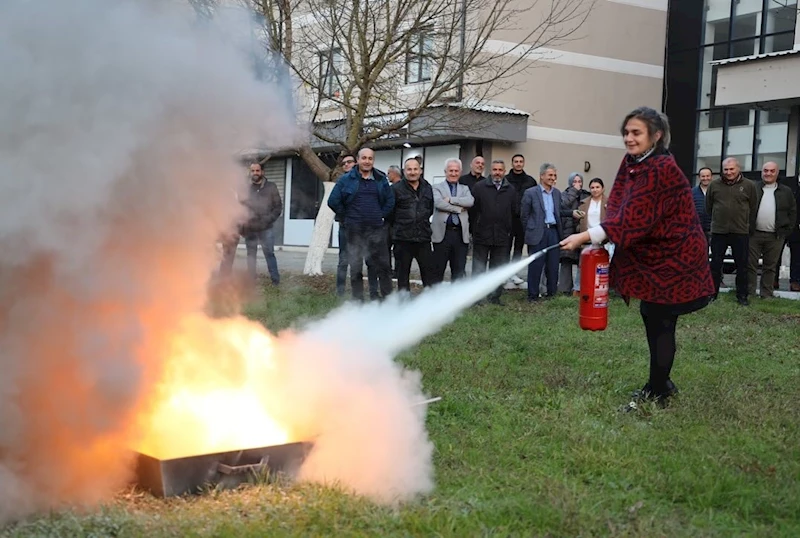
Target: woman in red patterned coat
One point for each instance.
(661, 255)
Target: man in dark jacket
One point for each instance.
(348, 162)
(732, 202)
(264, 207)
(775, 218)
(540, 219)
(496, 203)
(365, 199)
(705, 176)
(411, 224)
(475, 174)
(794, 245)
(521, 182)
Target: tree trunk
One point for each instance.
(321, 236)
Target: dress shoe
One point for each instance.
(743, 301)
(794, 286)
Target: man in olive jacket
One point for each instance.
(732, 202)
(775, 220)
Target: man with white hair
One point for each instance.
(450, 227)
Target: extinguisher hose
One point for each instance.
(543, 252)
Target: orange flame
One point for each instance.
(211, 397)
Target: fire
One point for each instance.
(212, 395)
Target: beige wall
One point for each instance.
(580, 99)
(624, 32)
(578, 95)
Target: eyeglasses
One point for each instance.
(348, 161)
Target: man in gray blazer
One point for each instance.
(450, 225)
(539, 215)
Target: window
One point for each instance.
(418, 57)
(331, 64)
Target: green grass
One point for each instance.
(529, 440)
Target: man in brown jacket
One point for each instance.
(732, 202)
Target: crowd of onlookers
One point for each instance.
(389, 220)
(400, 217)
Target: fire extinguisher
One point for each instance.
(594, 288)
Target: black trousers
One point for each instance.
(740, 245)
(794, 261)
(368, 243)
(452, 250)
(404, 253)
(517, 238)
(495, 256)
(660, 322)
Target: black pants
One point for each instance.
(404, 253)
(495, 256)
(660, 322)
(794, 261)
(368, 243)
(517, 238)
(740, 245)
(452, 250)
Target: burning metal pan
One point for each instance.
(179, 476)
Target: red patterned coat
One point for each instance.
(661, 252)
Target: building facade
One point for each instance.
(567, 111)
(732, 84)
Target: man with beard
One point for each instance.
(495, 203)
(364, 198)
(411, 225)
(521, 182)
(264, 207)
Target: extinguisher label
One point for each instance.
(601, 286)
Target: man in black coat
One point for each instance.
(521, 182)
(264, 207)
(411, 225)
(496, 203)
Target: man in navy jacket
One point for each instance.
(364, 199)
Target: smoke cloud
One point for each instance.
(118, 127)
(118, 130)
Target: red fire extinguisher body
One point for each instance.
(594, 288)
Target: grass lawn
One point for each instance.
(529, 440)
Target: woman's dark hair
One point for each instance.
(597, 180)
(656, 121)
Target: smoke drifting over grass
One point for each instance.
(118, 131)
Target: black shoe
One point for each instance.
(533, 299)
(743, 301)
(644, 394)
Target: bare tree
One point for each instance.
(370, 70)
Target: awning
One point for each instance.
(440, 123)
(763, 80)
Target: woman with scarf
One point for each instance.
(571, 200)
(661, 256)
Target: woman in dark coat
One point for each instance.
(661, 255)
(571, 199)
